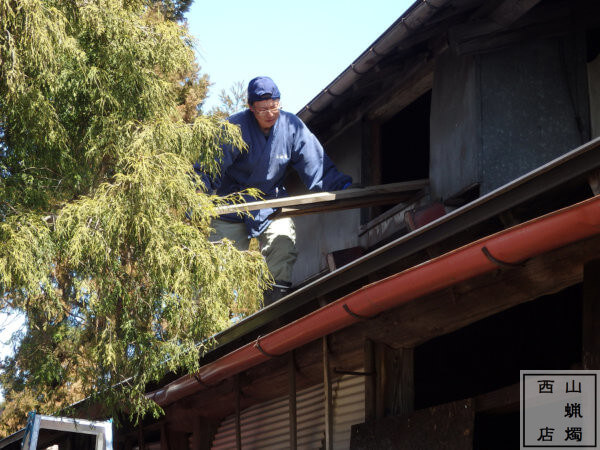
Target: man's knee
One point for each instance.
(234, 231)
(280, 256)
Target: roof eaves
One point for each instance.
(512, 246)
(414, 17)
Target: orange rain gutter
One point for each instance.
(510, 246)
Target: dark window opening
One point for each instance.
(593, 44)
(487, 355)
(403, 148)
(405, 143)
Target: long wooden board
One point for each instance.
(335, 200)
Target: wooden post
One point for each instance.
(328, 397)
(405, 399)
(370, 381)
(591, 315)
(389, 390)
(238, 420)
(381, 377)
(292, 401)
(141, 443)
(164, 437)
(197, 434)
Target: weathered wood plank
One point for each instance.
(406, 326)
(292, 401)
(405, 399)
(328, 396)
(451, 309)
(443, 427)
(323, 201)
(489, 32)
(591, 315)
(500, 400)
(370, 381)
(238, 412)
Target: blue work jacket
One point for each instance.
(264, 163)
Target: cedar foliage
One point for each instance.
(103, 236)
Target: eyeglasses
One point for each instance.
(264, 112)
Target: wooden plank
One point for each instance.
(444, 427)
(384, 199)
(406, 326)
(498, 401)
(328, 396)
(292, 402)
(164, 437)
(370, 381)
(340, 258)
(405, 400)
(141, 443)
(335, 200)
(511, 10)
(451, 309)
(394, 381)
(591, 315)
(486, 33)
(197, 434)
(380, 380)
(203, 433)
(238, 413)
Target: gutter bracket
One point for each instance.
(202, 383)
(501, 263)
(263, 351)
(358, 316)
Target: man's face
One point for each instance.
(266, 113)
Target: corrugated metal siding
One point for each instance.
(348, 408)
(266, 426)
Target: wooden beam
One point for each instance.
(413, 88)
(451, 309)
(203, 433)
(335, 200)
(510, 10)
(141, 443)
(591, 315)
(292, 402)
(197, 434)
(404, 402)
(380, 380)
(406, 326)
(370, 381)
(394, 391)
(164, 437)
(449, 426)
(501, 400)
(238, 413)
(397, 91)
(328, 396)
(487, 33)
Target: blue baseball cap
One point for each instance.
(262, 88)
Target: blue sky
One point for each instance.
(303, 46)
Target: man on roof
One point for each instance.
(276, 139)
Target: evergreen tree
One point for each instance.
(103, 232)
(231, 102)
